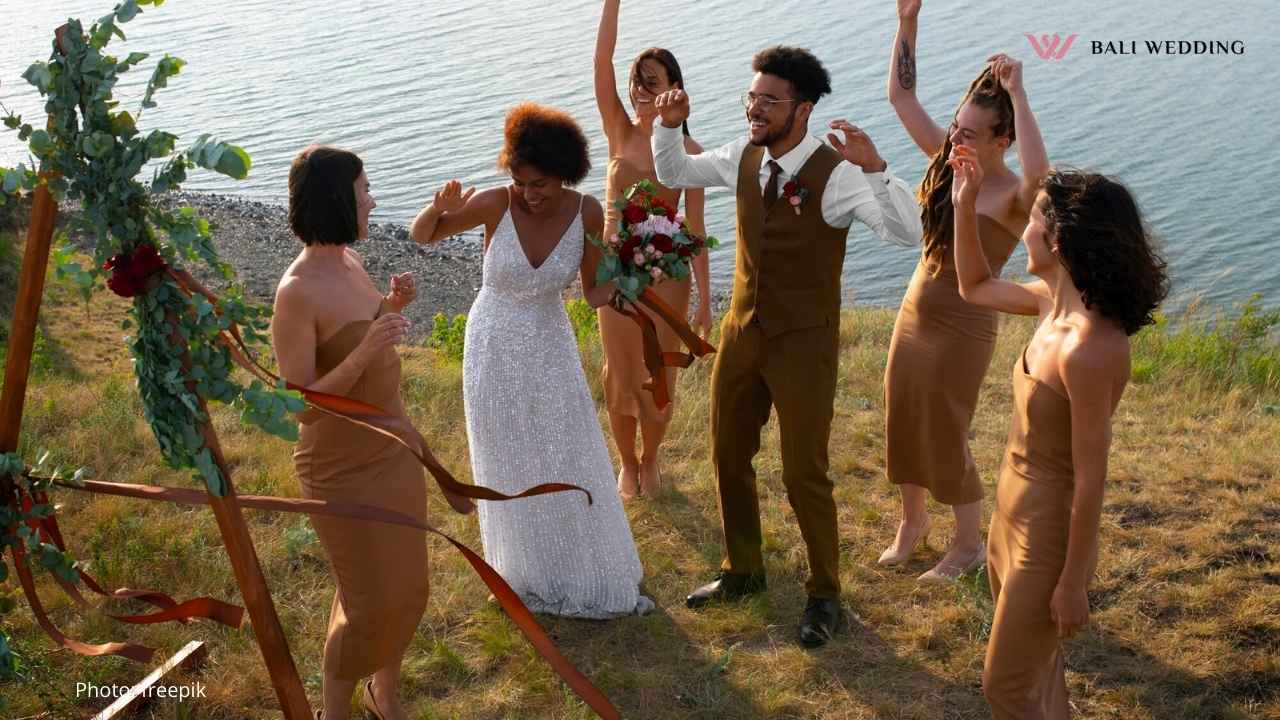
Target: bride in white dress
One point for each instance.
(530, 416)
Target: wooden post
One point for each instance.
(26, 312)
(235, 533)
(253, 588)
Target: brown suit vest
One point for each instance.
(787, 273)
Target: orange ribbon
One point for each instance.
(655, 360)
(363, 414)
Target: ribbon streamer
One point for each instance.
(358, 413)
(655, 360)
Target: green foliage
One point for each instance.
(94, 151)
(583, 318)
(447, 336)
(1222, 352)
(16, 533)
(298, 537)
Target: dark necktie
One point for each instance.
(771, 187)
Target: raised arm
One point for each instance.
(1088, 374)
(453, 211)
(673, 165)
(863, 189)
(593, 225)
(695, 202)
(613, 114)
(926, 133)
(1032, 155)
(977, 285)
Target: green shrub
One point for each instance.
(1222, 351)
(448, 336)
(583, 318)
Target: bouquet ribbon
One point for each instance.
(655, 360)
(354, 411)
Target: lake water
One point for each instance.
(420, 89)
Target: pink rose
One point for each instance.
(795, 201)
(638, 259)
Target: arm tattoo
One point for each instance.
(906, 67)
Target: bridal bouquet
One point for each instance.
(652, 243)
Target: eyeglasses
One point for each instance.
(766, 102)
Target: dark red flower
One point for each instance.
(685, 251)
(629, 248)
(790, 188)
(635, 214)
(663, 243)
(130, 273)
(660, 207)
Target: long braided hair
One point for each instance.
(935, 190)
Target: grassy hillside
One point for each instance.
(1186, 601)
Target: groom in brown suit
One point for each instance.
(779, 343)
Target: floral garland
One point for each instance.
(93, 151)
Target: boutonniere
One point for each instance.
(795, 193)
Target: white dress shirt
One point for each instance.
(880, 201)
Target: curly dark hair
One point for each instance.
(547, 139)
(807, 76)
(1105, 246)
(322, 196)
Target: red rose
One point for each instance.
(685, 251)
(790, 188)
(629, 248)
(129, 274)
(635, 214)
(663, 243)
(146, 262)
(123, 285)
(660, 207)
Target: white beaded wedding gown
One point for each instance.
(531, 420)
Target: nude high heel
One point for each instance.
(370, 705)
(889, 558)
(945, 573)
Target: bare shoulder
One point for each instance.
(494, 197)
(1016, 211)
(592, 210)
(1094, 352)
(351, 252)
(294, 293)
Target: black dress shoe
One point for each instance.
(822, 619)
(726, 586)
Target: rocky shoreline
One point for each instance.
(254, 237)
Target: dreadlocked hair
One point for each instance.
(935, 190)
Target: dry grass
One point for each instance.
(1186, 601)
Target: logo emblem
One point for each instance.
(1051, 47)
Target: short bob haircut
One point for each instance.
(808, 78)
(1105, 245)
(322, 197)
(547, 139)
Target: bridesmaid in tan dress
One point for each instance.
(1099, 281)
(631, 160)
(334, 332)
(941, 345)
